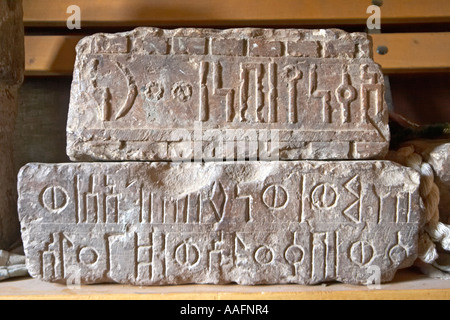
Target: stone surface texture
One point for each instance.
(153, 94)
(11, 76)
(301, 222)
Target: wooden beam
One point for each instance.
(231, 12)
(407, 52)
(407, 285)
(50, 55)
(413, 52)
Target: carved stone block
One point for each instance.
(11, 76)
(244, 222)
(153, 94)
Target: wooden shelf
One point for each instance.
(408, 284)
(38, 13)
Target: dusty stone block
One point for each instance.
(311, 88)
(11, 76)
(244, 222)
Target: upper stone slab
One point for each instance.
(153, 94)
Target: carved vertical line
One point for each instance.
(230, 105)
(259, 70)
(397, 208)
(108, 255)
(273, 108)
(364, 105)
(292, 102)
(104, 207)
(150, 209)
(408, 215)
(302, 199)
(76, 199)
(136, 255)
(204, 103)
(163, 210)
(164, 264)
(243, 96)
(330, 262)
(187, 209)
(312, 80)
(141, 202)
(245, 47)
(176, 212)
(200, 208)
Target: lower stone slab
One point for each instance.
(245, 222)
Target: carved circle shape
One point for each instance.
(324, 196)
(182, 91)
(88, 256)
(54, 199)
(361, 253)
(275, 197)
(294, 254)
(154, 91)
(398, 254)
(264, 255)
(187, 254)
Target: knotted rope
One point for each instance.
(434, 231)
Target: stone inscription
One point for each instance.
(145, 90)
(250, 223)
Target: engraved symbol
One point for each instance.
(88, 256)
(104, 107)
(292, 74)
(53, 257)
(226, 92)
(324, 196)
(131, 94)
(294, 254)
(218, 198)
(398, 252)
(324, 262)
(154, 91)
(244, 89)
(204, 103)
(273, 108)
(353, 211)
(54, 199)
(372, 98)
(361, 253)
(324, 95)
(187, 254)
(345, 95)
(249, 198)
(264, 255)
(275, 197)
(182, 91)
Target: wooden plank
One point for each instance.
(406, 285)
(413, 52)
(231, 12)
(407, 52)
(50, 55)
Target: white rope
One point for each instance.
(434, 231)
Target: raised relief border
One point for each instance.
(244, 222)
(140, 95)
